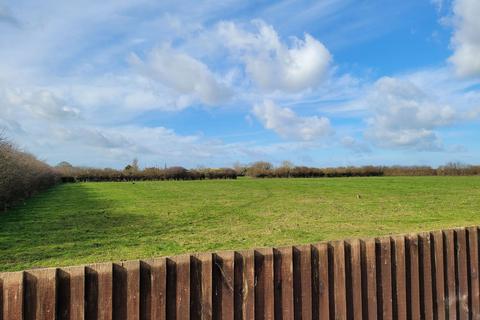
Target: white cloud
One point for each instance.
(38, 103)
(289, 125)
(274, 65)
(406, 116)
(183, 74)
(466, 39)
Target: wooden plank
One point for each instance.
(426, 279)
(371, 279)
(461, 253)
(133, 289)
(283, 278)
(244, 285)
(339, 280)
(98, 291)
(153, 289)
(439, 280)
(40, 294)
(12, 283)
(223, 285)
(201, 286)
(386, 273)
(323, 281)
(302, 277)
(264, 291)
(356, 279)
(413, 273)
(449, 249)
(71, 293)
(473, 272)
(400, 284)
(182, 304)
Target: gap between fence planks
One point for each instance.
(429, 275)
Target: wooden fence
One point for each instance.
(419, 276)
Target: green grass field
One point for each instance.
(92, 222)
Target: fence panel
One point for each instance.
(418, 276)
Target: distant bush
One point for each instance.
(22, 175)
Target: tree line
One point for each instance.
(131, 172)
(263, 169)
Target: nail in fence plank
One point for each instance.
(178, 287)
(264, 293)
(322, 253)
(201, 286)
(126, 289)
(371, 279)
(449, 252)
(153, 289)
(223, 285)
(244, 285)
(356, 279)
(439, 272)
(461, 253)
(98, 291)
(339, 280)
(283, 264)
(426, 278)
(413, 276)
(473, 272)
(12, 283)
(400, 285)
(70, 293)
(40, 294)
(386, 273)
(302, 277)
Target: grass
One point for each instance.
(92, 222)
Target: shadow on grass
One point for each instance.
(62, 224)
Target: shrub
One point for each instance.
(22, 175)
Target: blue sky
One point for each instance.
(318, 83)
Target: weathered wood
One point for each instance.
(356, 279)
(223, 285)
(439, 275)
(413, 275)
(400, 284)
(302, 269)
(264, 292)
(461, 254)
(386, 274)
(426, 278)
(98, 291)
(474, 293)
(322, 256)
(450, 270)
(370, 277)
(201, 286)
(153, 289)
(244, 285)
(126, 290)
(339, 280)
(12, 289)
(71, 293)
(40, 294)
(178, 287)
(283, 264)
